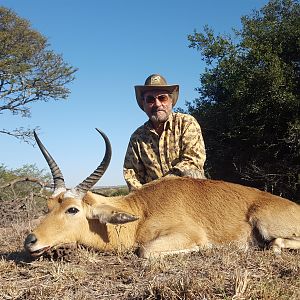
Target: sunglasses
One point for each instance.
(163, 98)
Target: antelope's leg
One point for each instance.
(172, 243)
(290, 243)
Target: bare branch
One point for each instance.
(11, 184)
(23, 179)
(25, 135)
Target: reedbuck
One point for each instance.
(169, 215)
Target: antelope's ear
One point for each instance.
(110, 214)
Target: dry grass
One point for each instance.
(224, 273)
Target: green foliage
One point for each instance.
(6, 175)
(29, 71)
(111, 191)
(120, 192)
(249, 99)
(27, 170)
(21, 189)
(32, 171)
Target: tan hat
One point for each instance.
(155, 82)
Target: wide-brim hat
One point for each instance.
(155, 82)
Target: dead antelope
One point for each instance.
(170, 215)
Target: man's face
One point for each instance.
(157, 106)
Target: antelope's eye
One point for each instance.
(72, 210)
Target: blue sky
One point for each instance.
(115, 45)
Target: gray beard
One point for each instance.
(158, 119)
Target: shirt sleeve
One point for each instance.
(133, 170)
(193, 155)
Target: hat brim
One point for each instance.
(141, 89)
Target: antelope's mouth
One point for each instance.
(39, 252)
(65, 251)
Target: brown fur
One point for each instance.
(172, 215)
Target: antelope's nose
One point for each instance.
(30, 240)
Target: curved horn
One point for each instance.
(58, 179)
(91, 180)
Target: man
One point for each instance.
(168, 143)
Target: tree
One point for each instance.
(23, 193)
(29, 71)
(19, 182)
(249, 99)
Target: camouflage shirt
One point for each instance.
(178, 151)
